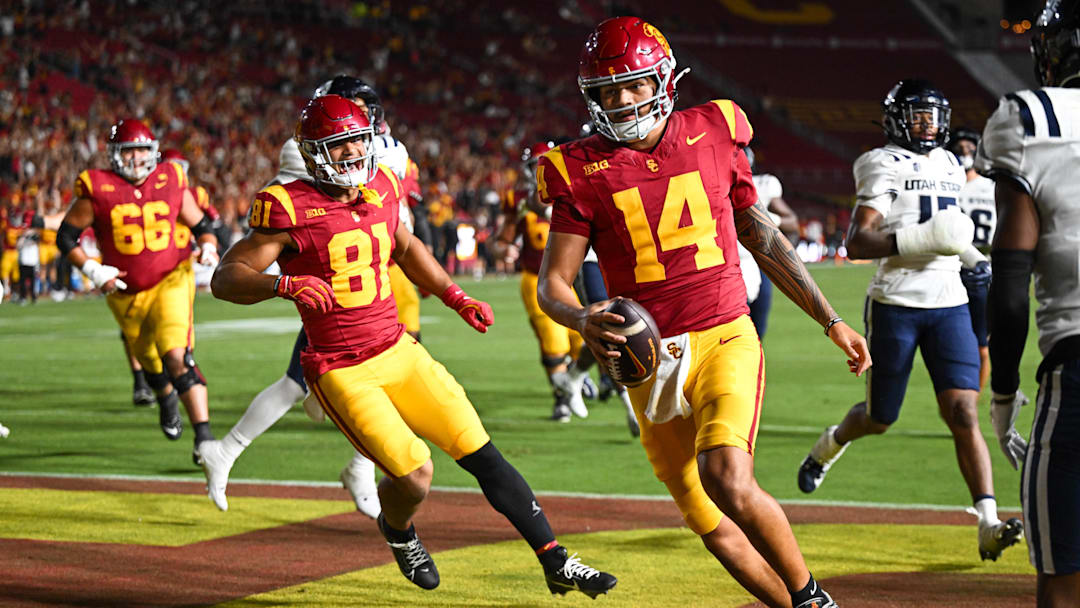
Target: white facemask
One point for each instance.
(967, 161)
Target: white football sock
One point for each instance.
(986, 510)
(266, 408)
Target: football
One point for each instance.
(640, 355)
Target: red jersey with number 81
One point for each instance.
(136, 225)
(662, 222)
(348, 245)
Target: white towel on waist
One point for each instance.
(666, 400)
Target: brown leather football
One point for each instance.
(640, 355)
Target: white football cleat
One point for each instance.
(216, 465)
(994, 538)
(4, 431)
(359, 479)
(568, 385)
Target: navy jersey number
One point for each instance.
(983, 225)
(926, 204)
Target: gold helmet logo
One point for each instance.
(652, 32)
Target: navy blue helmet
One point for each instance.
(911, 97)
(1055, 44)
(354, 88)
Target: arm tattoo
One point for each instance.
(781, 264)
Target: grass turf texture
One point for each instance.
(66, 394)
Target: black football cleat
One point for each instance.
(412, 558)
(142, 395)
(576, 576)
(169, 416)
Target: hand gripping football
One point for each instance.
(640, 355)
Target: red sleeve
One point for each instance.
(743, 193)
(273, 208)
(566, 218)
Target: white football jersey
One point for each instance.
(1034, 138)
(768, 187)
(907, 189)
(977, 201)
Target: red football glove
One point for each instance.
(309, 291)
(476, 313)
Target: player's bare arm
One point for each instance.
(778, 259)
(421, 268)
(555, 292)
(79, 217)
(192, 216)
(504, 243)
(789, 220)
(424, 271)
(239, 277)
(865, 239)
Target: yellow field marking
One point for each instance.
(146, 519)
(658, 567)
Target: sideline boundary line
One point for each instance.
(589, 495)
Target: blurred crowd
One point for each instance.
(465, 91)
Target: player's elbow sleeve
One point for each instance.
(67, 238)
(1008, 315)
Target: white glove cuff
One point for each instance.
(971, 256)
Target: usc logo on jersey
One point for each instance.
(652, 165)
(674, 350)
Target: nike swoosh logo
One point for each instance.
(693, 140)
(723, 342)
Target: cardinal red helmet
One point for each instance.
(175, 156)
(620, 50)
(131, 133)
(330, 121)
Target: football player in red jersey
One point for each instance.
(663, 196)
(558, 344)
(333, 237)
(134, 209)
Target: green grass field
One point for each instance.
(65, 393)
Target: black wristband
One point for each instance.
(832, 322)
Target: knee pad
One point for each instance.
(191, 376)
(158, 382)
(550, 362)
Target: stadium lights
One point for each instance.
(1018, 27)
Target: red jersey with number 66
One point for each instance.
(348, 245)
(135, 224)
(662, 221)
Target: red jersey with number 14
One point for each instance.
(348, 245)
(135, 224)
(662, 221)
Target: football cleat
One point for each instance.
(995, 538)
(607, 388)
(412, 558)
(824, 600)
(142, 396)
(4, 431)
(589, 389)
(169, 416)
(568, 388)
(216, 465)
(359, 480)
(825, 452)
(561, 413)
(576, 576)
